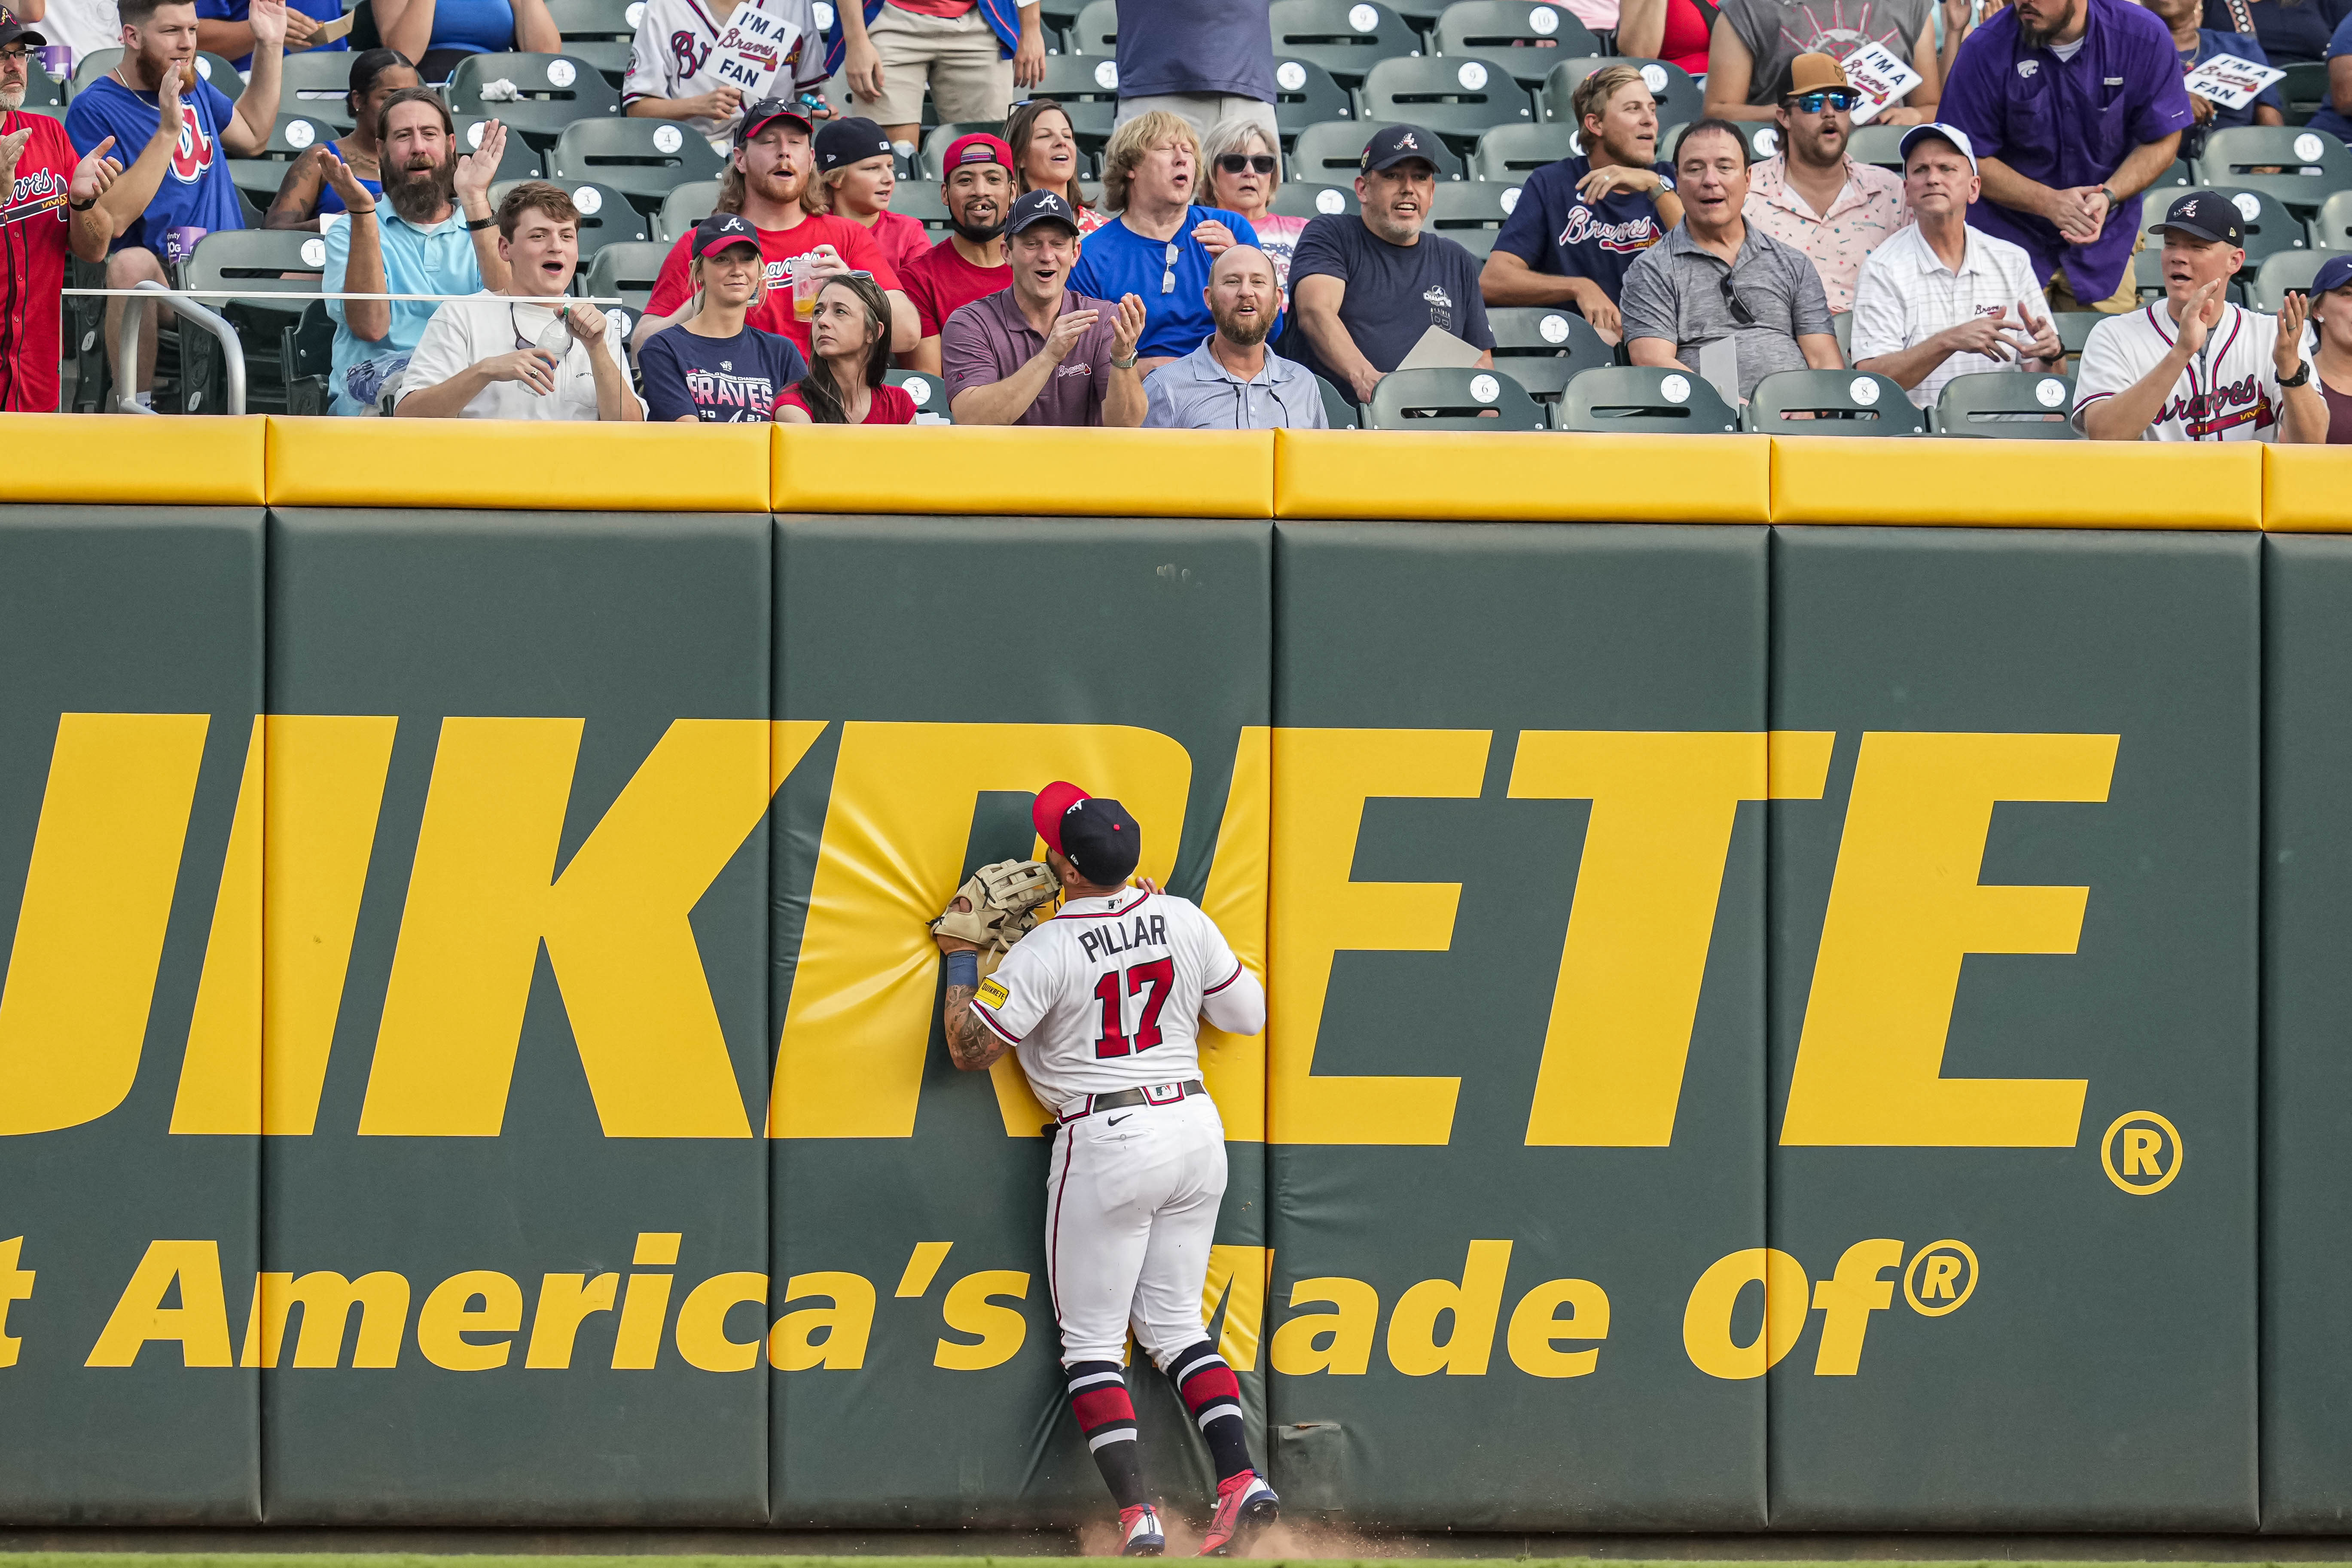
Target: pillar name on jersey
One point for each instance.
(1145, 930)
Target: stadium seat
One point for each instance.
(2331, 225)
(1880, 145)
(2269, 226)
(625, 271)
(522, 161)
(1086, 87)
(684, 207)
(1542, 349)
(1831, 403)
(215, 69)
(605, 215)
(1340, 412)
(306, 350)
(1451, 399)
(2303, 90)
(930, 393)
(1421, 16)
(1305, 94)
(1095, 32)
(2007, 403)
(1471, 213)
(42, 91)
(1331, 153)
(318, 85)
(1641, 400)
(1296, 199)
(1459, 97)
(1345, 37)
(2315, 165)
(293, 135)
(266, 261)
(2169, 184)
(920, 200)
(939, 139)
(598, 31)
(2288, 269)
(1530, 36)
(1842, 324)
(2073, 331)
(555, 91)
(1512, 153)
(645, 160)
(1680, 102)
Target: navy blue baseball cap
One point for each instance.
(842, 143)
(1097, 835)
(12, 31)
(1395, 144)
(2208, 215)
(720, 230)
(2333, 274)
(1035, 208)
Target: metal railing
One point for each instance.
(126, 358)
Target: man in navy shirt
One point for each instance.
(1580, 222)
(185, 185)
(2075, 108)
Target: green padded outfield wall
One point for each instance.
(1743, 999)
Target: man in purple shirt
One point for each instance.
(1037, 353)
(2075, 107)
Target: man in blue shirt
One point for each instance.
(226, 28)
(193, 194)
(1161, 247)
(1582, 222)
(2074, 107)
(428, 244)
(1232, 381)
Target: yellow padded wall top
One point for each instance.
(2307, 490)
(1520, 476)
(517, 465)
(1974, 483)
(1024, 471)
(129, 460)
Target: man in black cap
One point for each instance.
(1366, 288)
(1038, 354)
(2197, 367)
(48, 206)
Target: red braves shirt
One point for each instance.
(943, 282)
(855, 243)
(34, 228)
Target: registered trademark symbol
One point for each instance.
(1939, 1278)
(2141, 1152)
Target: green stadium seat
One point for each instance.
(1292, 199)
(1452, 399)
(920, 200)
(1340, 412)
(939, 138)
(1305, 94)
(598, 31)
(1331, 153)
(1086, 87)
(625, 271)
(556, 90)
(1680, 102)
(1459, 97)
(1543, 349)
(1095, 32)
(2331, 226)
(1512, 153)
(1641, 400)
(1831, 403)
(1471, 213)
(42, 91)
(2007, 404)
(307, 350)
(2288, 269)
(2314, 164)
(2303, 90)
(1530, 36)
(270, 262)
(1345, 37)
(215, 69)
(1878, 145)
(318, 85)
(928, 391)
(605, 215)
(2073, 331)
(522, 161)
(684, 207)
(2171, 182)
(645, 160)
(293, 135)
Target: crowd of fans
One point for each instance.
(1177, 296)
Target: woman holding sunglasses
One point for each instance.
(1046, 156)
(1245, 170)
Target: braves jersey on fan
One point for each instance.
(34, 229)
(1107, 995)
(2228, 393)
(675, 53)
(674, 285)
(196, 192)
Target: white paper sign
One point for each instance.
(1879, 76)
(750, 50)
(2231, 81)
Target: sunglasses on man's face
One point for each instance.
(1828, 97)
(1256, 163)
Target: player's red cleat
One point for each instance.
(1246, 1505)
(1139, 1534)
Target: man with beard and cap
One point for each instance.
(2074, 107)
(185, 186)
(50, 203)
(424, 246)
(1232, 382)
(969, 264)
(766, 176)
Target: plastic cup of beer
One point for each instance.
(806, 289)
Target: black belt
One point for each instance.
(1118, 1098)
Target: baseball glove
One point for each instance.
(997, 907)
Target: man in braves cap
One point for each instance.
(2331, 320)
(1086, 839)
(715, 368)
(56, 213)
(767, 175)
(1040, 353)
(977, 184)
(2197, 367)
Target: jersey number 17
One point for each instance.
(1159, 975)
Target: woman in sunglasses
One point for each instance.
(1245, 170)
(1046, 156)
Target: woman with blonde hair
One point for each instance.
(851, 335)
(1046, 156)
(1245, 170)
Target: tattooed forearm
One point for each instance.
(970, 1045)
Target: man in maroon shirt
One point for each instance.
(1037, 353)
(969, 264)
(49, 205)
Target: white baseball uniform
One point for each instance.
(675, 54)
(1108, 996)
(2229, 391)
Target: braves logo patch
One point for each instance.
(192, 157)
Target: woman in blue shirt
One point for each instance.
(437, 34)
(306, 196)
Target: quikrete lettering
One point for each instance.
(486, 891)
(1123, 936)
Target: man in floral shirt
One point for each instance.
(1811, 194)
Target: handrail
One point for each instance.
(126, 358)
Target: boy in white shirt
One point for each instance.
(529, 352)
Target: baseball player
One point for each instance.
(1103, 1003)
(2197, 367)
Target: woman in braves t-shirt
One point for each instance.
(714, 368)
(844, 386)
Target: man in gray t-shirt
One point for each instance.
(1772, 33)
(1715, 278)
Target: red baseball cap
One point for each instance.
(1097, 835)
(978, 147)
(1054, 801)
